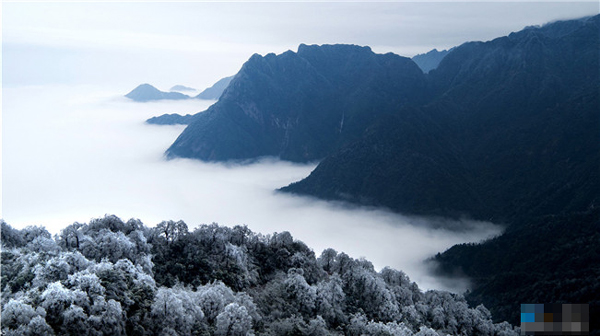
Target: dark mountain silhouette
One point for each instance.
(147, 92)
(215, 91)
(301, 106)
(505, 130)
(511, 133)
(550, 259)
(171, 119)
(511, 136)
(430, 60)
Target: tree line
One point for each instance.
(114, 277)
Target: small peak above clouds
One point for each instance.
(146, 92)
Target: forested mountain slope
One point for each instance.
(551, 259)
(511, 134)
(301, 106)
(111, 277)
(512, 137)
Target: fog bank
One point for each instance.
(74, 153)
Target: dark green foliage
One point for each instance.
(554, 259)
(10, 237)
(212, 281)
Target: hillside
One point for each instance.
(301, 106)
(511, 137)
(111, 277)
(511, 134)
(551, 259)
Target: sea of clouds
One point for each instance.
(72, 153)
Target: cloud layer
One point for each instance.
(74, 153)
(197, 43)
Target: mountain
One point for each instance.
(147, 92)
(550, 259)
(171, 119)
(181, 88)
(301, 106)
(511, 136)
(430, 60)
(215, 91)
(511, 133)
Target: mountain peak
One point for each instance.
(146, 92)
(296, 106)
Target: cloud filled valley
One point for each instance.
(332, 186)
(89, 153)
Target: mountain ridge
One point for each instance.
(266, 112)
(483, 112)
(216, 90)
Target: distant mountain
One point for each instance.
(215, 91)
(147, 92)
(512, 133)
(182, 88)
(301, 106)
(171, 119)
(430, 60)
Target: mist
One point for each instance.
(72, 153)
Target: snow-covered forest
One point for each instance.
(110, 277)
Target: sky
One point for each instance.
(197, 43)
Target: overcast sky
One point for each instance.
(196, 43)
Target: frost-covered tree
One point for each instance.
(327, 260)
(171, 230)
(55, 299)
(87, 282)
(366, 291)
(234, 320)
(71, 236)
(331, 300)
(174, 309)
(38, 327)
(302, 295)
(99, 279)
(107, 318)
(10, 237)
(213, 298)
(75, 321)
(16, 313)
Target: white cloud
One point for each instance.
(208, 36)
(74, 153)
